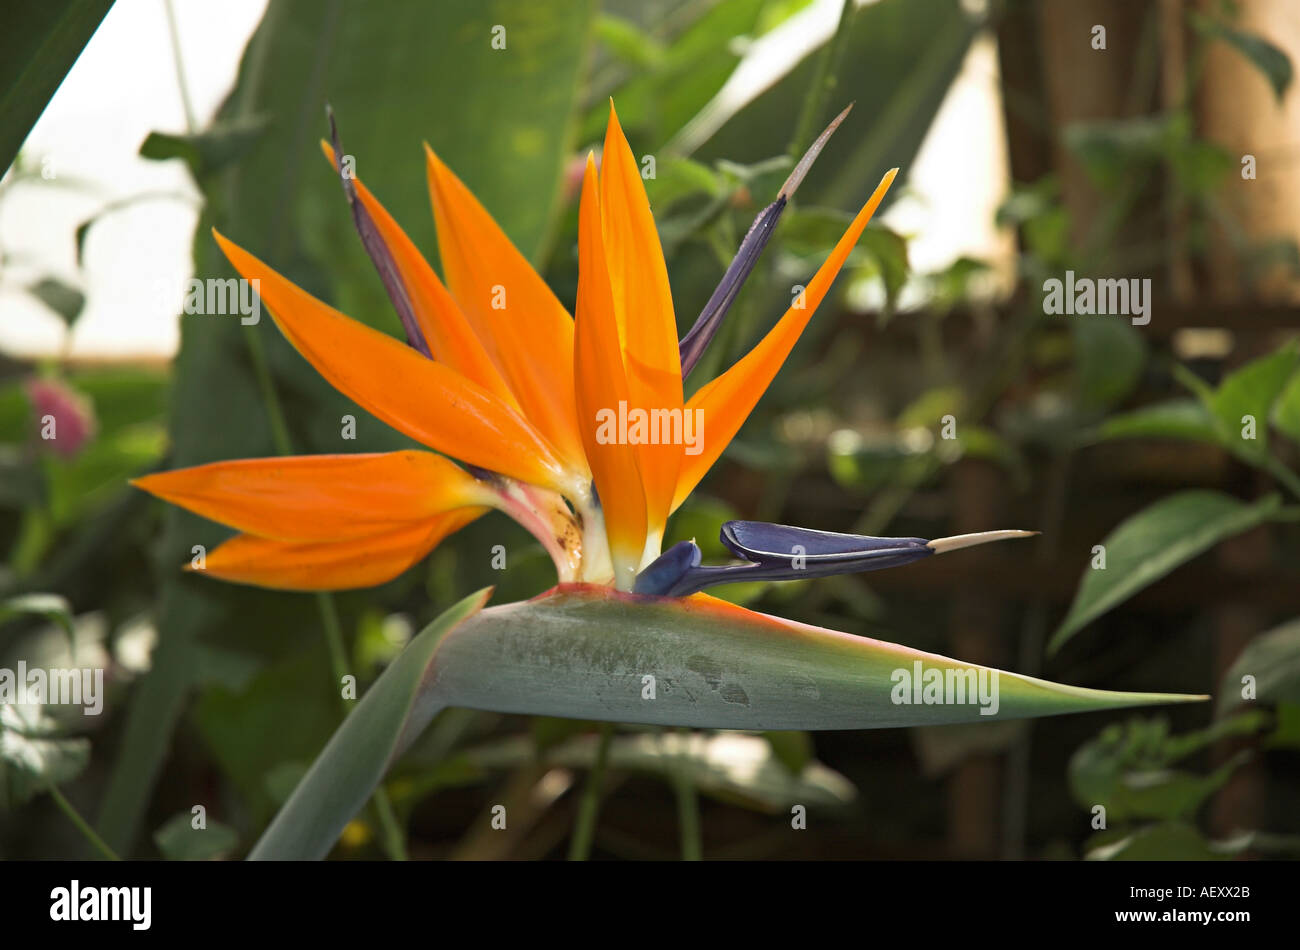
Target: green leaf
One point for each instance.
(1151, 543)
(792, 748)
(1109, 356)
(38, 45)
(179, 840)
(1268, 58)
(52, 607)
(1273, 660)
(1252, 391)
(34, 755)
(1168, 841)
(208, 151)
(390, 715)
(899, 63)
(64, 299)
(1128, 768)
(1286, 727)
(678, 79)
(678, 178)
(628, 42)
(1112, 150)
(734, 767)
(593, 653)
(1286, 411)
(1174, 419)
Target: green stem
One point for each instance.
(823, 82)
(585, 827)
(1283, 475)
(88, 832)
(688, 814)
(394, 843)
(394, 840)
(334, 642)
(266, 387)
(191, 123)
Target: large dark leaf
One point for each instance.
(38, 45)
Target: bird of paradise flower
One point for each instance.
(495, 373)
(498, 375)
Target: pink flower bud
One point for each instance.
(65, 418)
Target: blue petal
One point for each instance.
(665, 571)
(775, 552)
(766, 543)
(693, 345)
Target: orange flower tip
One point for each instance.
(957, 542)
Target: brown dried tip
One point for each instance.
(810, 156)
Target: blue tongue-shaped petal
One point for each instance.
(772, 544)
(777, 552)
(666, 570)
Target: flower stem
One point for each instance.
(191, 122)
(88, 832)
(688, 813)
(823, 82)
(334, 642)
(394, 844)
(589, 808)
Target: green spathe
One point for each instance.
(588, 652)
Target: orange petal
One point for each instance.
(422, 398)
(600, 386)
(330, 565)
(643, 305)
(448, 333)
(725, 402)
(524, 328)
(319, 497)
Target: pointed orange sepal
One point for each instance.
(601, 394)
(643, 306)
(524, 328)
(424, 399)
(448, 333)
(331, 565)
(725, 402)
(320, 497)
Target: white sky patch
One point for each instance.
(121, 88)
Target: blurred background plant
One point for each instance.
(932, 395)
